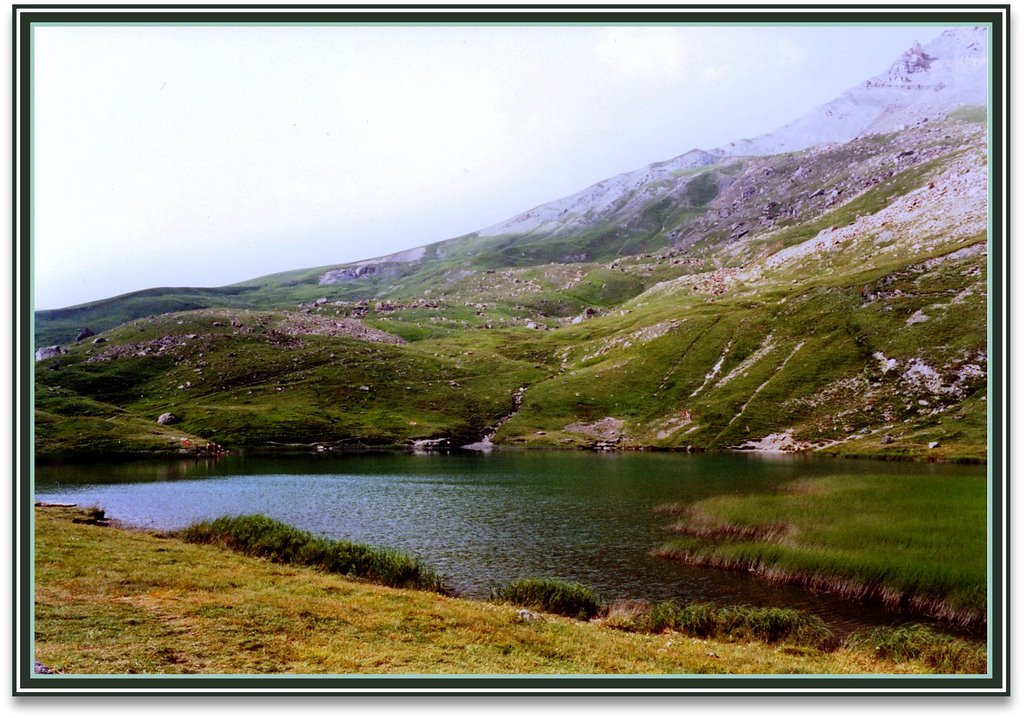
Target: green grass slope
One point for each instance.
(832, 300)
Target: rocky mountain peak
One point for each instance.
(924, 82)
(912, 61)
(947, 60)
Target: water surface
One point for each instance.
(482, 520)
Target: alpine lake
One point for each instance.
(482, 520)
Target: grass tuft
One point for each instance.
(542, 594)
(730, 623)
(740, 623)
(261, 536)
(944, 653)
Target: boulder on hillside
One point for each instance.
(49, 352)
(168, 418)
(85, 334)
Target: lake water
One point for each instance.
(483, 520)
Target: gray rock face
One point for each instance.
(99, 340)
(49, 352)
(85, 334)
(347, 274)
(168, 418)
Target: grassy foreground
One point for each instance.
(119, 602)
(912, 542)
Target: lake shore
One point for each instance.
(107, 453)
(115, 601)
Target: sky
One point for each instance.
(204, 156)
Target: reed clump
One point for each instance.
(913, 641)
(544, 594)
(733, 623)
(257, 535)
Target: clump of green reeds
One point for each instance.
(809, 533)
(257, 535)
(913, 641)
(543, 594)
(737, 623)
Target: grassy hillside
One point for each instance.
(831, 300)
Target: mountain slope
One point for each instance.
(831, 298)
(949, 72)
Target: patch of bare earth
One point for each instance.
(607, 429)
(295, 324)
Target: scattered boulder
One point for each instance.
(887, 439)
(85, 334)
(99, 340)
(934, 444)
(168, 418)
(525, 616)
(49, 352)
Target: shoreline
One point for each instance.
(327, 449)
(905, 602)
(310, 621)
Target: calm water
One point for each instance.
(484, 520)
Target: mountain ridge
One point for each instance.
(828, 299)
(952, 67)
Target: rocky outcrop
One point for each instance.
(168, 418)
(49, 352)
(347, 274)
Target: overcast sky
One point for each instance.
(203, 156)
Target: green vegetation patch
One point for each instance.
(261, 536)
(913, 641)
(730, 623)
(543, 594)
(911, 542)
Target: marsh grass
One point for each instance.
(257, 535)
(728, 623)
(909, 542)
(913, 641)
(543, 594)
